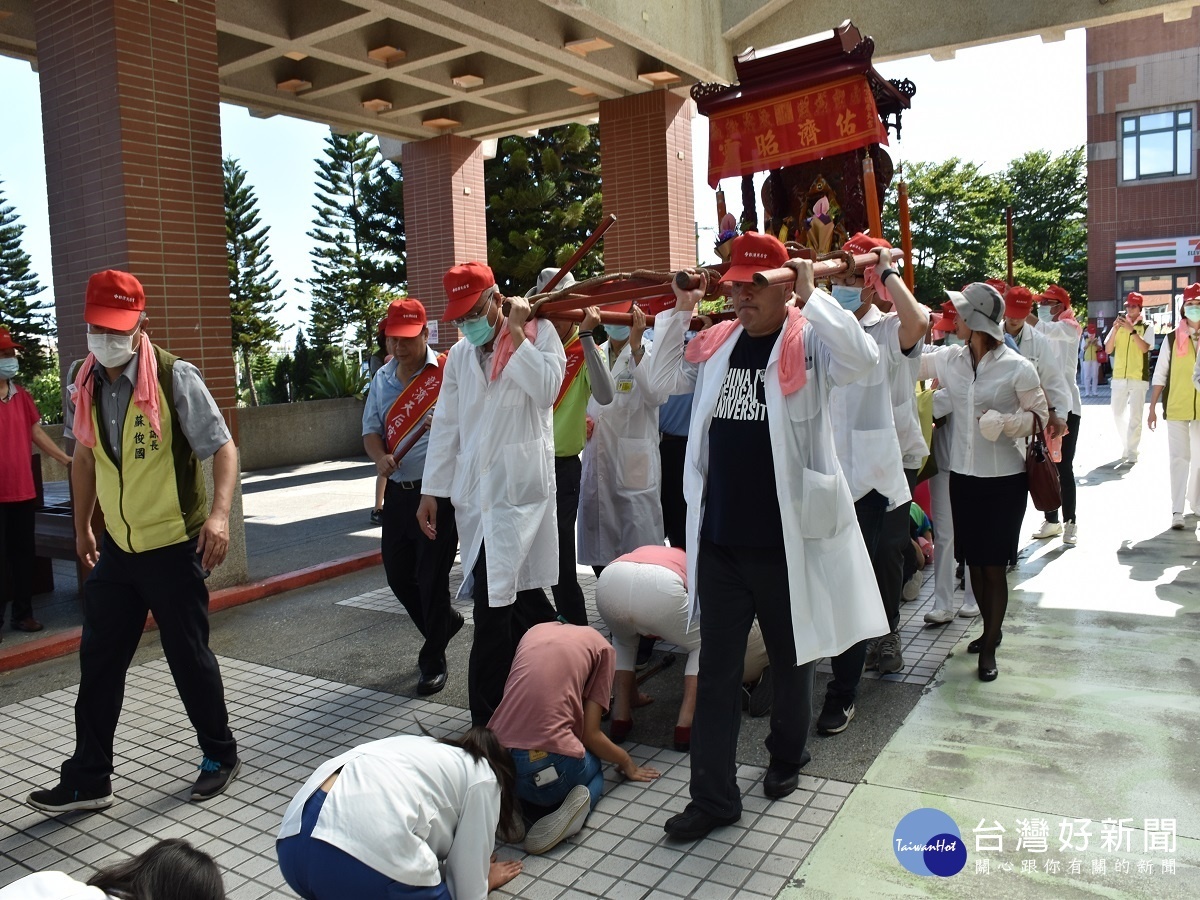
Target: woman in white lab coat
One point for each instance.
(620, 505)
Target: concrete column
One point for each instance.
(445, 219)
(133, 170)
(646, 167)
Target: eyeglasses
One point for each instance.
(486, 299)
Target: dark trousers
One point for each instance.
(1066, 472)
(568, 595)
(672, 450)
(735, 585)
(16, 559)
(498, 630)
(886, 535)
(418, 569)
(123, 587)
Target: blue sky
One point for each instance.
(957, 111)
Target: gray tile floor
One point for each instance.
(287, 723)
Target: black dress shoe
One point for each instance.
(431, 684)
(456, 624)
(988, 674)
(976, 645)
(783, 777)
(694, 823)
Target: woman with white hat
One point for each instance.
(996, 397)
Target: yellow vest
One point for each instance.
(1129, 360)
(1181, 403)
(155, 496)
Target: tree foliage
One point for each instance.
(26, 317)
(359, 235)
(957, 214)
(254, 293)
(543, 201)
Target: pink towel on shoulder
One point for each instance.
(504, 348)
(145, 393)
(792, 374)
(1183, 337)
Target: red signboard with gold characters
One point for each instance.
(804, 125)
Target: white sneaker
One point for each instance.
(1070, 533)
(968, 610)
(912, 587)
(939, 616)
(1048, 530)
(1177, 522)
(550, 830)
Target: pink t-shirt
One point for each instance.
(557, 668)
(654, 555)
(18, 415)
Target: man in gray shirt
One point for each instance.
(142, 420)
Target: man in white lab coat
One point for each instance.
(491, 451)
(771, 526)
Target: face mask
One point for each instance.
(111, 350)
(1045, 313)
(849, 297)
(1192, 313)
(478, 331)
(9, 367)
(953, 340)
(617, 332)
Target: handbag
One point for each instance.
(1044, 487)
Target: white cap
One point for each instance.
(544, 279)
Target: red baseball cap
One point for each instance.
(1191, 292)
(949, 320)
(405, 318)
(1000, 286)
(464, 284)
(864, 243)
(751, 253)
(6, 341)
(1135, 299)
(1055, 294)
(1018, 302)
(114, 300)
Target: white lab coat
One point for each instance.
(1039, 350)
(620, 504)
(1064, 339)
(835, 600)
(491, 451)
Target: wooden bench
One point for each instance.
(53, 531)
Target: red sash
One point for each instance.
(574, 367)
(414, 403)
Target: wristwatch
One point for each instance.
(886, 272)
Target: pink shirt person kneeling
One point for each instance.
(557, 690)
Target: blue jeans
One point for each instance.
(571, 772)
(319, 871)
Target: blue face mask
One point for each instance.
(478, 331)
(953, 340)
(1192, 313)
(9, 368)
(618, 332)
(849, 297)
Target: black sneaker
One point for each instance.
(63, 798)
(377, 517)
(835, 716)
(214, 778)
(783, 778)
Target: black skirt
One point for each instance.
(987, 517)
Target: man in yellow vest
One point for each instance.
(142, 420)
(1128, 345)
(1175, 384)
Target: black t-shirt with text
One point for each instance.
(742, 507)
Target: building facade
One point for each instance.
(1143, 90)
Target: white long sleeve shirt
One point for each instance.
(404, 806)
(50, 886)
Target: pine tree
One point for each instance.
(359, 231)
(253, 284)
(25, 317)
(544, 200)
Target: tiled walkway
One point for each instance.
(287, 724)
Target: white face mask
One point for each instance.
(112, 350)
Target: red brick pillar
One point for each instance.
(133, 172)
(646, 166)
(445, 220)
(133, 169)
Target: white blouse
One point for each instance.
(1003, 381)
(404, 806)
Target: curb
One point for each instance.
(67, 642)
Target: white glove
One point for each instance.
(993, 423)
